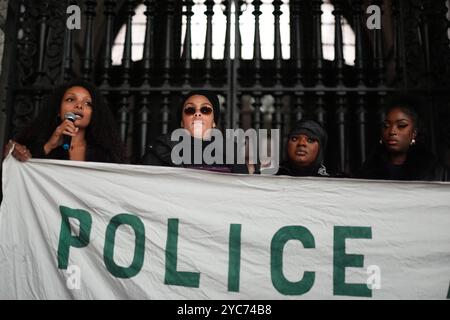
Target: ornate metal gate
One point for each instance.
(410, 52)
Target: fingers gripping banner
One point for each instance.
(105, 231)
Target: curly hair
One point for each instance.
(101, 132)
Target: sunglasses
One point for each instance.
(189, 111)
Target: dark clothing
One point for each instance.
(159, 154)
(420, 165)
(288, 169)
(93, 153)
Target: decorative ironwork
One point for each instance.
(346, 99)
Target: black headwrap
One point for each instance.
(211, 96)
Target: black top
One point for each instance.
(288, 169)
(159, 154)
(93, 153)
(420, 165)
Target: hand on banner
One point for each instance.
(7, 148)
(20, 151)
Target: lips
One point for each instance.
(78, 115)
(392, 142)
(301, 153)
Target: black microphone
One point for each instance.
(67, 140)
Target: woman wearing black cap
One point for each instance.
(306, 150)
(198, 114)
(399, 156)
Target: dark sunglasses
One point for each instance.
(191, 110)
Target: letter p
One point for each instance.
(66, 239)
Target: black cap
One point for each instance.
(315, 131)
(211, 96)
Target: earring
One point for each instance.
(413, 142)
(380, 142)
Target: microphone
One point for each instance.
(67, 140)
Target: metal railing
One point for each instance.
(144, 94)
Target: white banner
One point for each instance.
(104, 231)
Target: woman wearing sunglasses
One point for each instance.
(199, 113)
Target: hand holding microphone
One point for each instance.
(67, 139)
(63, 134)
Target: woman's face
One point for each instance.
(398, 131)
(77, 100)
(198, 116)
(302, 150)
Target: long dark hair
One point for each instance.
(100, 133)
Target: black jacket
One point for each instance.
(420, 165)
(287, 169)
(159, 154)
